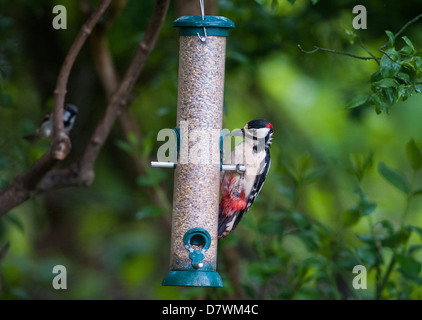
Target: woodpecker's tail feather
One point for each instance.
(226, 224)
(222, 232)
(221, 229)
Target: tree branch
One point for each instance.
(372, 57)
(110, 80)
(81, 172)
(368, 51)
(3, 252)
(25, 185)
(401, 30)
(120, 97)
(61, 143)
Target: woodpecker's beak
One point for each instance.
(237, 133)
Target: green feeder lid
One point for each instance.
(183, 278)
(192, 25)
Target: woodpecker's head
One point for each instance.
(257, 130)
(69, 116)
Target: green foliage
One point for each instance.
(313, 1)
(398, 78)
(357, 101)
(360, 165)
(275, 4)
(414, 155)
(304, 254)
(394, 177)
(343, 189)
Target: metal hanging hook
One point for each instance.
(204, 37)
(201, 3)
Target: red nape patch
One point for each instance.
(269, 125)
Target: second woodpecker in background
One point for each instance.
(45, 129)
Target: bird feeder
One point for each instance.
(202, 49)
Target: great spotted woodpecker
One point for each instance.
(240, 189)
(45, 129)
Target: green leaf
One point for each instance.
(366, 206)
(406, 93)
(392, 241)
(391, 37)
(404, 76)
(270, 224)
(367, 238)
(406, 50)
(378, 102)
(309, 239)
(409, 64)
(389, 67)
(147, 145)
(386, 83)
(414, 248)
(315, 175)
(123, 145)
(416, 229)
(417, 192)
(408, 264)
(152, 179)
(376, 76)
(292, 1)
(412, 277)
(304, 162)
(414, 155)
(404, 234)
(401, 93)
(418, 63)
(351, 217)
(286, 191)
(290, 171)
(357, 101)
(351, 34)
(149, 211)
(132, 139)
(15, 221)
(409, 44)
(390, 95)
(393, 177)
(300, 220)
(367, 254)
(388, 226)
(368, 163)
(360, 165)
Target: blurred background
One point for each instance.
(343, 188)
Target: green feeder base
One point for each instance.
(193, 279)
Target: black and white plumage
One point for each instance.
(45, 129)
(240, 189)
